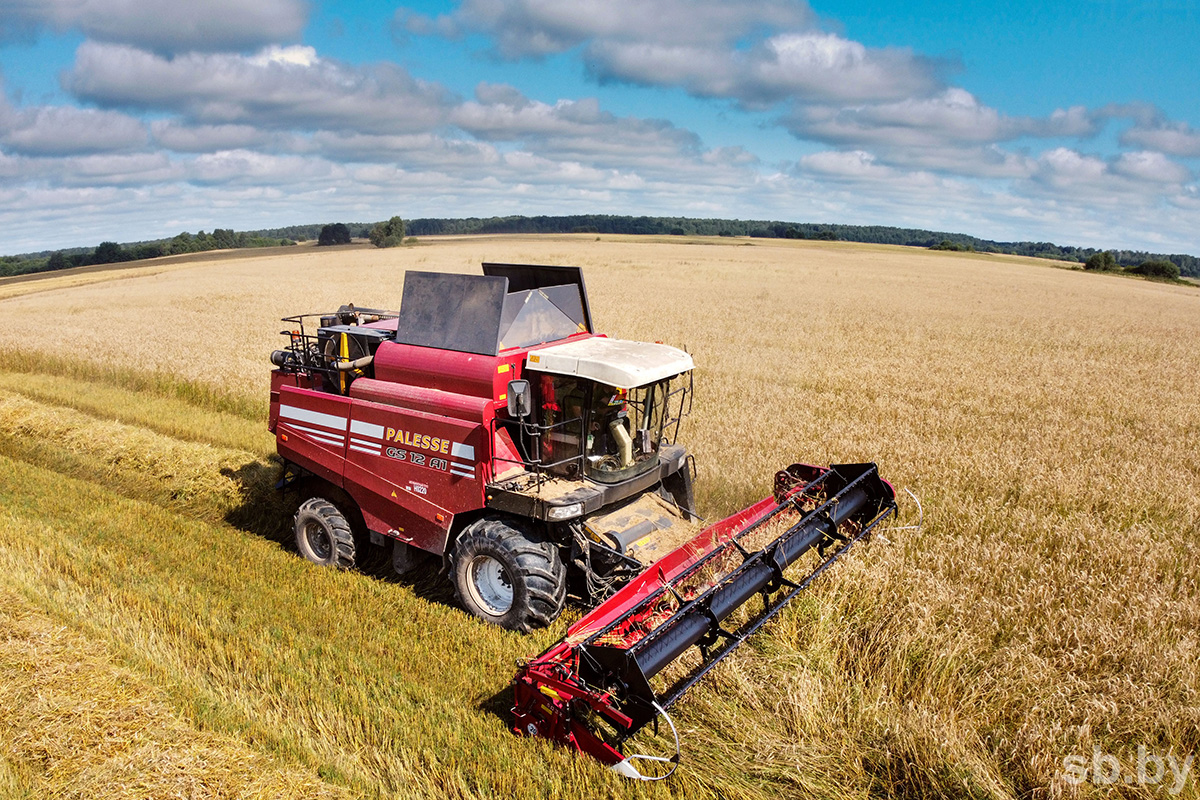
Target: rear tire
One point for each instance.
(509, 576)
(323, 534)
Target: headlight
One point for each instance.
(564, 512)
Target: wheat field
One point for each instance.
(159, 636)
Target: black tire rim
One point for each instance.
(318, 540)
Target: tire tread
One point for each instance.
(541, 570)
(344, 550)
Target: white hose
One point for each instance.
(628, 770)
(920, 515)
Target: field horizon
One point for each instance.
(160, 637)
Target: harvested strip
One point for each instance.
(170, 416)
(72, 724)
(208, 481)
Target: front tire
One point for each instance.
(323, 534)
(509, 576)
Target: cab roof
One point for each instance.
(614, 362)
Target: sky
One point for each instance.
(1071, 122)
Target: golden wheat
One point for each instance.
(1047, 419)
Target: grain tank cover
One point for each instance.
(512, 305)
(564, 286)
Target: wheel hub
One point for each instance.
(491, 585)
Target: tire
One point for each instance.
(509, 576)
(323, 534)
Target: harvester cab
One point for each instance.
(487, 423)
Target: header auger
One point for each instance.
(486, 424)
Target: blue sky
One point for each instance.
(1075, 122)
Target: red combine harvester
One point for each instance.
(487, 424)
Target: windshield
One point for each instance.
(618, 430)
(624, 431)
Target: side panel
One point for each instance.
(279, 378)
(311, 430)
(411, 472)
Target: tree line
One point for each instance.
(114, 253)
(392, 232)
(868, 234)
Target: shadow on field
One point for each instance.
(499, 705)
(265, 511)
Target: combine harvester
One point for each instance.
(488, 425)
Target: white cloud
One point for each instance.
(986, 161)
(1066, 168)
(417, 150)
(524, 28)
(825, 65)
(281, 134)
(952, 117)
(1151, 168)
(206, 25)
(1151, 130)
(852, 164)
(176, 135)
(1172, 138)
(575, 130)
(754, 53)
(1073, 199)
(1139, 178)
(67, 130)
(139, 169)
(247, 167)
(1075, 121)
(276, 89)
(296, 55)
(50, 201)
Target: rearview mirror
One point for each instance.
(520, 399)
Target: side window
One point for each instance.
(562, 403)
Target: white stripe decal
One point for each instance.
(368, 451)
(321, 436)
(365, 442)
(366, 428)
(463, 473)
(314, 417)
(326, 442)
(462, 451)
